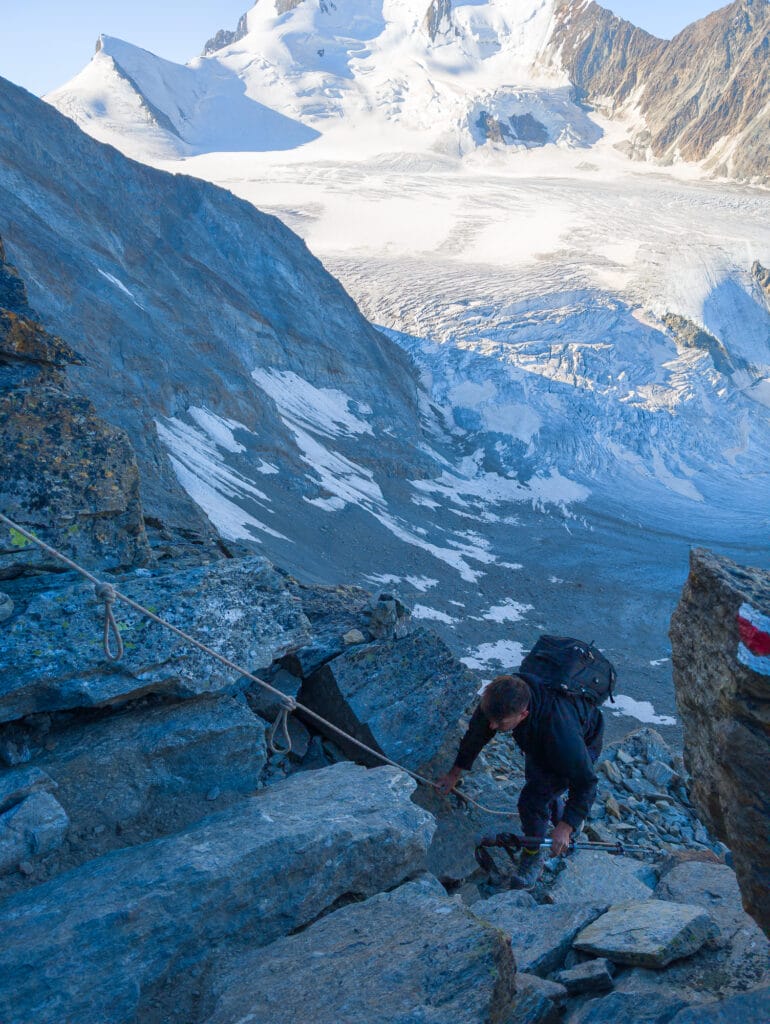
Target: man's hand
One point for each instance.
(560, 839)
(447, 782)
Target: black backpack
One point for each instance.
(572, 668)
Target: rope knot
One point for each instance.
(281, 722)
(105, 592)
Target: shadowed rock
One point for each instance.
(146, 762)
(401, 696)
(409, 955)
(92, 944)
(721, 657)
(65, 473)
(541, 936)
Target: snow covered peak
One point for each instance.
(376, 75)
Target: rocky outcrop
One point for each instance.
(541, 936)
(401, 696)
(383, 961)
(438, 20)
(762, 277)
(54, 638)
(65, 472)
(226, 37)
(150, 918)
(701, 96)
(720, 638)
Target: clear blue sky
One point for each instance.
(43, 43)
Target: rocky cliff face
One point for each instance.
(701, 96)
(720, 635)
(180, 294)
(65, 472)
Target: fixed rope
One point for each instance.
(108, 594)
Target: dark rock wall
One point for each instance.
(65, 472)
(721, 654)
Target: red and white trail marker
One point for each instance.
(754, 646)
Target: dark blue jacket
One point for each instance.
(562, 736)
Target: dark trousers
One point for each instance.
(540, 801)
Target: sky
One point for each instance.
(44, 43)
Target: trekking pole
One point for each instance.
(511, 844)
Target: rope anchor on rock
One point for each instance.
(105, 592)
(281, 723)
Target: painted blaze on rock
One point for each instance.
(720, 634)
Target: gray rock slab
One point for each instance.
(32, 828)
(90, 945)
(706, 884)
(541, 936)
(18, 783)
(617, 1007)
(595, 876)
(736, 958)
(403, 696)
(745, 1008)
(241, 609)
(147, 762)
(398, 958)
(648, 933)
(592, 976)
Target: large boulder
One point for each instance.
(650, 933)
(401, 696)
(241, 609)
(400, 957)
(155, 764)
(541, 936)
(720, 639)
(97, 944)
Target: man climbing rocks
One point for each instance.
(560, 736)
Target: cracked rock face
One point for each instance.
(65, 472)
(720, 638)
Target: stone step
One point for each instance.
(93, 945)
(404, 956)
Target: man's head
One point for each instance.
(505, 702)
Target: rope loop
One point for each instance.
(105, 592)
(281, 722)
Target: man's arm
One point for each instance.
(477, 735)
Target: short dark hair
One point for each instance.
(505, 695)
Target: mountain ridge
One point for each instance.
(456, 73)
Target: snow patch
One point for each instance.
(422, 611)
(641, 710)
(325, 411)
(508, 611)
(508, 653)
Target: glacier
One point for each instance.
(589, 348)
